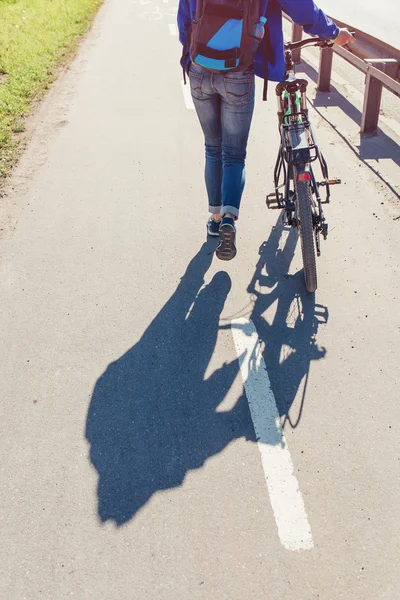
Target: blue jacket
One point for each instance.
(303, 12)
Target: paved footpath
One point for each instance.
(379, 19)
(174, 427)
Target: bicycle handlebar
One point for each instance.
(313, 41)
(309, 42)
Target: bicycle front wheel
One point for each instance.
(306, 231)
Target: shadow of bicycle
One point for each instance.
(286, 318)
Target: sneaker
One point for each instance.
(213, 227)
(227, 235)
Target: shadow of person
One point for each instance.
(288, 333)
(152, 416)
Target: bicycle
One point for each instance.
(301, 200)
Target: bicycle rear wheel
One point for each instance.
(306, 231)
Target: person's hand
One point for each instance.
(344, 37)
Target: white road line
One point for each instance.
(286, 499)
(187, 96)
(173, 30)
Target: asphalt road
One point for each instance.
(380, 19)
(175, 427)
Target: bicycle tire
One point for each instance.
(306, 231)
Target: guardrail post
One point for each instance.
(373, 95)
(297, 35)
(325, 69)
(372, 105)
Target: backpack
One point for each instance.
(221, 36)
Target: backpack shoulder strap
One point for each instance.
(266, 45)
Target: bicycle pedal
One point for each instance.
(329, 182)
(274, 202)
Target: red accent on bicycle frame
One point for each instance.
(304, 176)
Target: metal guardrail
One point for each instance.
(378, 60)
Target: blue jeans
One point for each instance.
(224, 103)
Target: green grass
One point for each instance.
(36, 36)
